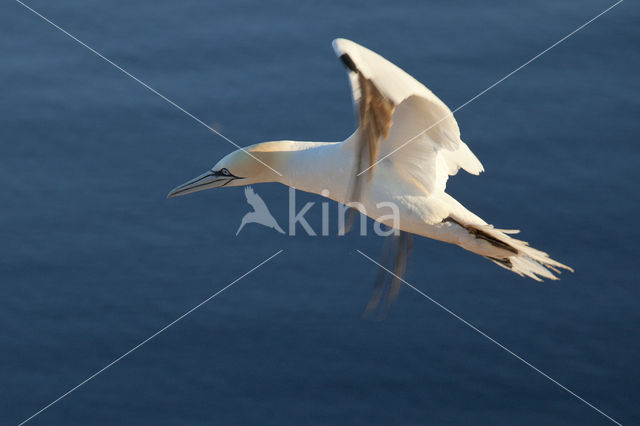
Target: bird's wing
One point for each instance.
(433, 153)
(394, 108)
(254, 200)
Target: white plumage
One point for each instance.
(407, 144)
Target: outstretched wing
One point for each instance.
(401, 121)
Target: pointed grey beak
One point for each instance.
(206, 180)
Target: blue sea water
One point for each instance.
(94, 259)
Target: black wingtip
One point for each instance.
(348, 62)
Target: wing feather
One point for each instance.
(404, 124)
(393, 109)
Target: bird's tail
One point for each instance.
(510, 253)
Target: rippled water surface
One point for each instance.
(94, 259)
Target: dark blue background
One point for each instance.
(94, 259)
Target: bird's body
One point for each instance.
(325, 168)
(405, 148)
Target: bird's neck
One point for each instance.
(319, 167)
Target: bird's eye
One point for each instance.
(225, 172)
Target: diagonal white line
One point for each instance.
(128, 74)
(501, 346)
(493, 85)
(149, 338)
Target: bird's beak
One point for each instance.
(206, 180)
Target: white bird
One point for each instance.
(409, 144)
(260, 213)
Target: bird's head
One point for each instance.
(255, 164)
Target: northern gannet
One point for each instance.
(408, 144)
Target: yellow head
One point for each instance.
(255, 164)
